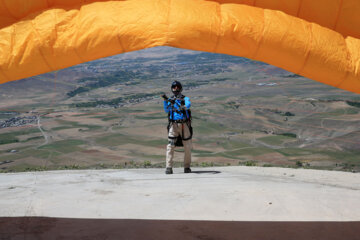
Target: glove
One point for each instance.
(164, 97)
(182, 102)
(172, 101)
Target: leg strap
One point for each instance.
(190, 131)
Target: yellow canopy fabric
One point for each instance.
(47, 35)
(342, 16)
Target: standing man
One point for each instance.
(179, 128)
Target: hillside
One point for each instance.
(108, 114)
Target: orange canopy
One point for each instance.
(316, 39)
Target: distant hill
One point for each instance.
(142, 64)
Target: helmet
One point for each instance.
(176, 84)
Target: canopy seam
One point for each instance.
(353, 64)
(120, 43)
(168, 24)
(261, 37)
(338, 14)
(40, 51)
(299, 8)
(12, 39)
(55, 31)
(218, 9)
(77, 35)
(308, 49)
(7, 9)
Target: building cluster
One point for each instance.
(18, 121)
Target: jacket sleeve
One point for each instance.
(187, 102)
(166, 106)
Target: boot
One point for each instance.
(169, 171)
(187, 170)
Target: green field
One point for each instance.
(275, 140)
(12, 137)
(71, 124)
(64, 146)
(121, 139)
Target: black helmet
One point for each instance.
(176, 84)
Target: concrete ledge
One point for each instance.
(216, 194)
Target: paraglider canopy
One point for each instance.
(42, 36)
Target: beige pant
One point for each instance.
(174, 131)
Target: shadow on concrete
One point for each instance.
(65, 228)
(199, 172)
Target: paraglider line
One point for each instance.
(53, 97)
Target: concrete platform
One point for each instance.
(215, 194)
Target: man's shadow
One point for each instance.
(200, 172)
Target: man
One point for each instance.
(179, 129)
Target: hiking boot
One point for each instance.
(187, 170)
(169, 171)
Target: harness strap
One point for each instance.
(190, 137)
(187, 121)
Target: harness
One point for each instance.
(187, 114)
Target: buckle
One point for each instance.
(178, 121)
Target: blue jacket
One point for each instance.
(175, 112)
